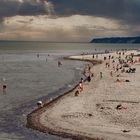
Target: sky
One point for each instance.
(68, 20)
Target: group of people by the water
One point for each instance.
(59, 63)
(116, 64)
(88, 75)
(120, 64)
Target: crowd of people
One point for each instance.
(116, 64)
(120, 64)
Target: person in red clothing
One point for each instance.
(80, 86)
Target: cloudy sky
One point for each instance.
(68, 20)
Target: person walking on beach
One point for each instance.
(89, 78)
(80, 86)
(96, 56)
(82, 81)
(89, 68)
(101, 75)
(111, 73)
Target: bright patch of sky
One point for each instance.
(73, 28)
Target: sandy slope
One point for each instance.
(93, 113)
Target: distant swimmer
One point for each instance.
(59, 63)
(4, 88)
(38, 55)
(4, 85)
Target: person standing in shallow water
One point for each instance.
(59, 63)
(37, 55)
(4, 86)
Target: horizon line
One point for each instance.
(43, 41)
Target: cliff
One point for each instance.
(117, 40)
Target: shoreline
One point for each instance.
(33, 118)
(93, 114)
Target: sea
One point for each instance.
(30, 71)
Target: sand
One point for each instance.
(93, 114)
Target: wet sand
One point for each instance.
(93, 114)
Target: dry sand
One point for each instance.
(93, 113)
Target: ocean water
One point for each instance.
(30, 78)
(61, 47)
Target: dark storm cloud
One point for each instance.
(9, 8)
(31, 9)
(123, 10)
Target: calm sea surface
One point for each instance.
(58, 47)
(30, 78)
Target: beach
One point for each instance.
(69, 70)
(93, 114)
(30, 78)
